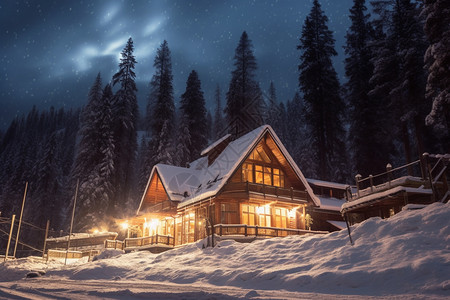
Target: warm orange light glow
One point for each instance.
(292, 213)
(124, 225)
(95, 230)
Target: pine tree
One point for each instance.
(161, 107)
(244, 109)
(218, 130)
(272, 107)
(368, 143)
(437, 29)
(193, 110)
(323, 106)
(184, 140)
(125, 112)
(398, 75)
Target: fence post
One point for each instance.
(256, 230)
(357, 179)
(424, 164)
(245, 230)
(371, 182)
(220, 229)
(156, 239)
(389, 174)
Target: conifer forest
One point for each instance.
(392, 106)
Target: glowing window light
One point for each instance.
(291, 213)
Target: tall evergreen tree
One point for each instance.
(244, 108)
(368, 143)
(184, 143)
(272, 107)
(437, 29)
(161, 107)
(323, 106)
(218, 130)
(125, 112)
(398, 75)
(194, 111)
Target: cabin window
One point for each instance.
(178, 231)
(278, 177)
(229, 213)
(262, 175)
(259, 178)
(264, 216)
(281, 218)
(248, 215)
(247, 172)
(189, 227)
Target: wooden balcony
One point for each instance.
(266, 190)
(155, 243)
(259, 231)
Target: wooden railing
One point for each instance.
(249, 187)
(149, 240)
(114, 244)
(52, 253)
(260, 231)
(392, 177)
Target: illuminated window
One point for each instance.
(264, 216)
(278, 177)
(247, 172)
(259, 174)
(267, 176)
(248, 215)
(281, 218)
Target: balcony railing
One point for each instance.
(140, 242)
(260, 231)
(250, 187)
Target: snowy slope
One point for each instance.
(405, 256)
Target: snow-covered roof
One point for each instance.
(338, 224)
(330, 203)
(328, 184)
(213, 145)
(378, 196)
(201, 180)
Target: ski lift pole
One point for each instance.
(10, 235)
(20, 219)
(71, 222)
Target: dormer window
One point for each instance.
(267, 175)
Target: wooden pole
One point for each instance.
(20, 219)
(348, 229)
(45, 239)
(10, 235)
(71, 222)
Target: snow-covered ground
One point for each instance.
(404, 257)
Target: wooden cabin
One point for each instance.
(242, 189)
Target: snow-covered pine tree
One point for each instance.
(161, 107)
(272, 107)
(323, 105)
(245, 108)
(183, 154)
(368, 143)
(437, 29)
(218, 130)
(193, 110)
(398, 75)
(125, 117)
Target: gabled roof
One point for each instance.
(201, 180)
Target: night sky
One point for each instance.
(51, 51)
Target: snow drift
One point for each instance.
(406, 254)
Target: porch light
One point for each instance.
(292, 213)
(124, 225)
(95, 231)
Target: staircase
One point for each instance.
(438, 173)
